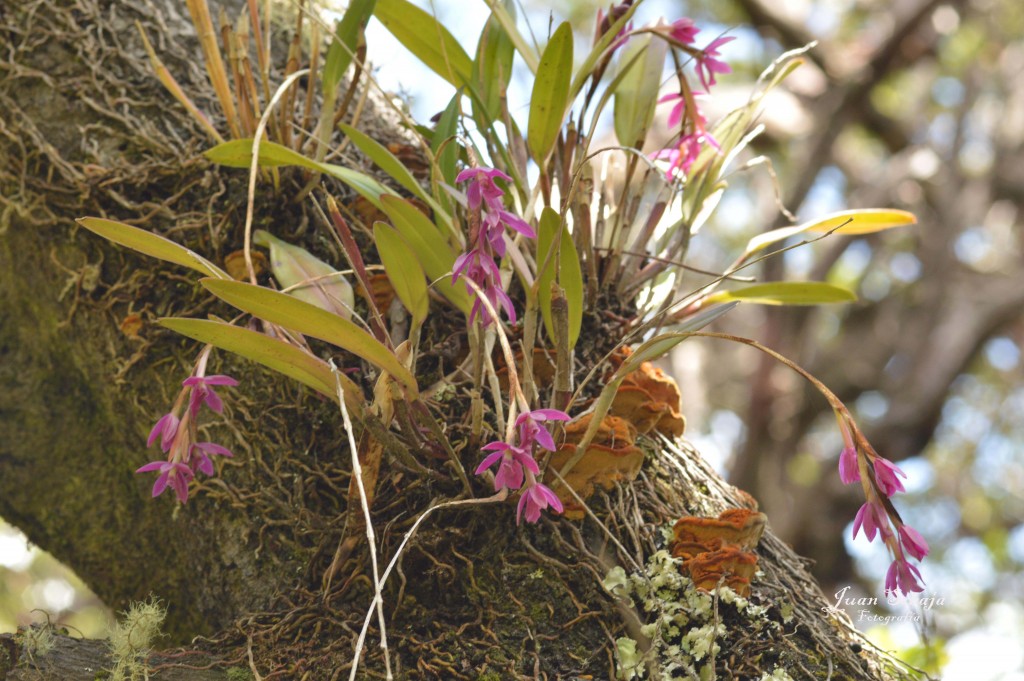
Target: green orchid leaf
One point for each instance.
(492, 68)
(443, 142)
(508, 22)
(430, 248)
(424, 36)
(345, 43)
(599, 50)
(403, 270)
(662, 343)
(272, 353)
(307, 277)
(550, 99)
(292, 313)
(637, 94)
(238, 154)
(385, 160)
(565, 269)
(153, 245)
(786, 293)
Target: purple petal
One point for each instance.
(551, 497)
(151, 466)
(848, 469)
(221, 379)
(518, 224)
(913, 542)
(160, 485)
(519, 507)
(489, 461)
(213, 401)
(549, 415)
(213, 448)
(204, 464)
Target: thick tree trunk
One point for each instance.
(86, 129)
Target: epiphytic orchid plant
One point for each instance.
(522, 235)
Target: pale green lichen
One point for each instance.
(36, 640)
(778, 674)
(685, 627)
(132, 639)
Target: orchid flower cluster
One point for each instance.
(517, 467)
(177, 433)
(880, 478)
(685, 114)
(487, 220)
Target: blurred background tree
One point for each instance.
(912, 104)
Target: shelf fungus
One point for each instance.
(719, 550)
(612, 456)
(648, 399)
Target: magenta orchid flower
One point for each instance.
(512, 460)
(873, 519)
(902, 576)
(535, 499)
(849, 471)
(200, 452)
(708, 64)
(202, 393)
(531, 430)
(173, 474)
(885, 474)
(684, 31)
(913, 542)
(166, 429)
(481, 189)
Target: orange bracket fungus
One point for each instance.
(720, 550)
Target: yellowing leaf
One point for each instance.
(863, 221)
(153, 245)
(291, 313)
(786, 293)
(849, 222)
(307, 277)
(550, 99)
(403, 270)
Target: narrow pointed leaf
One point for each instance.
(786, 293)
(345, 43)
(444, 145)
(565, 269)
(238, 154)
(662, 343)
(309, 320)
(403, 270)
(508, 22)
(153, 245)
(385, 160)
(550, 99)
(430, 248)
(492, 68)
(599, 50)
(315, 281)
(270, 352)
(849, 222)
(637, 94)
(424, 36)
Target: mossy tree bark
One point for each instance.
(87, 130)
